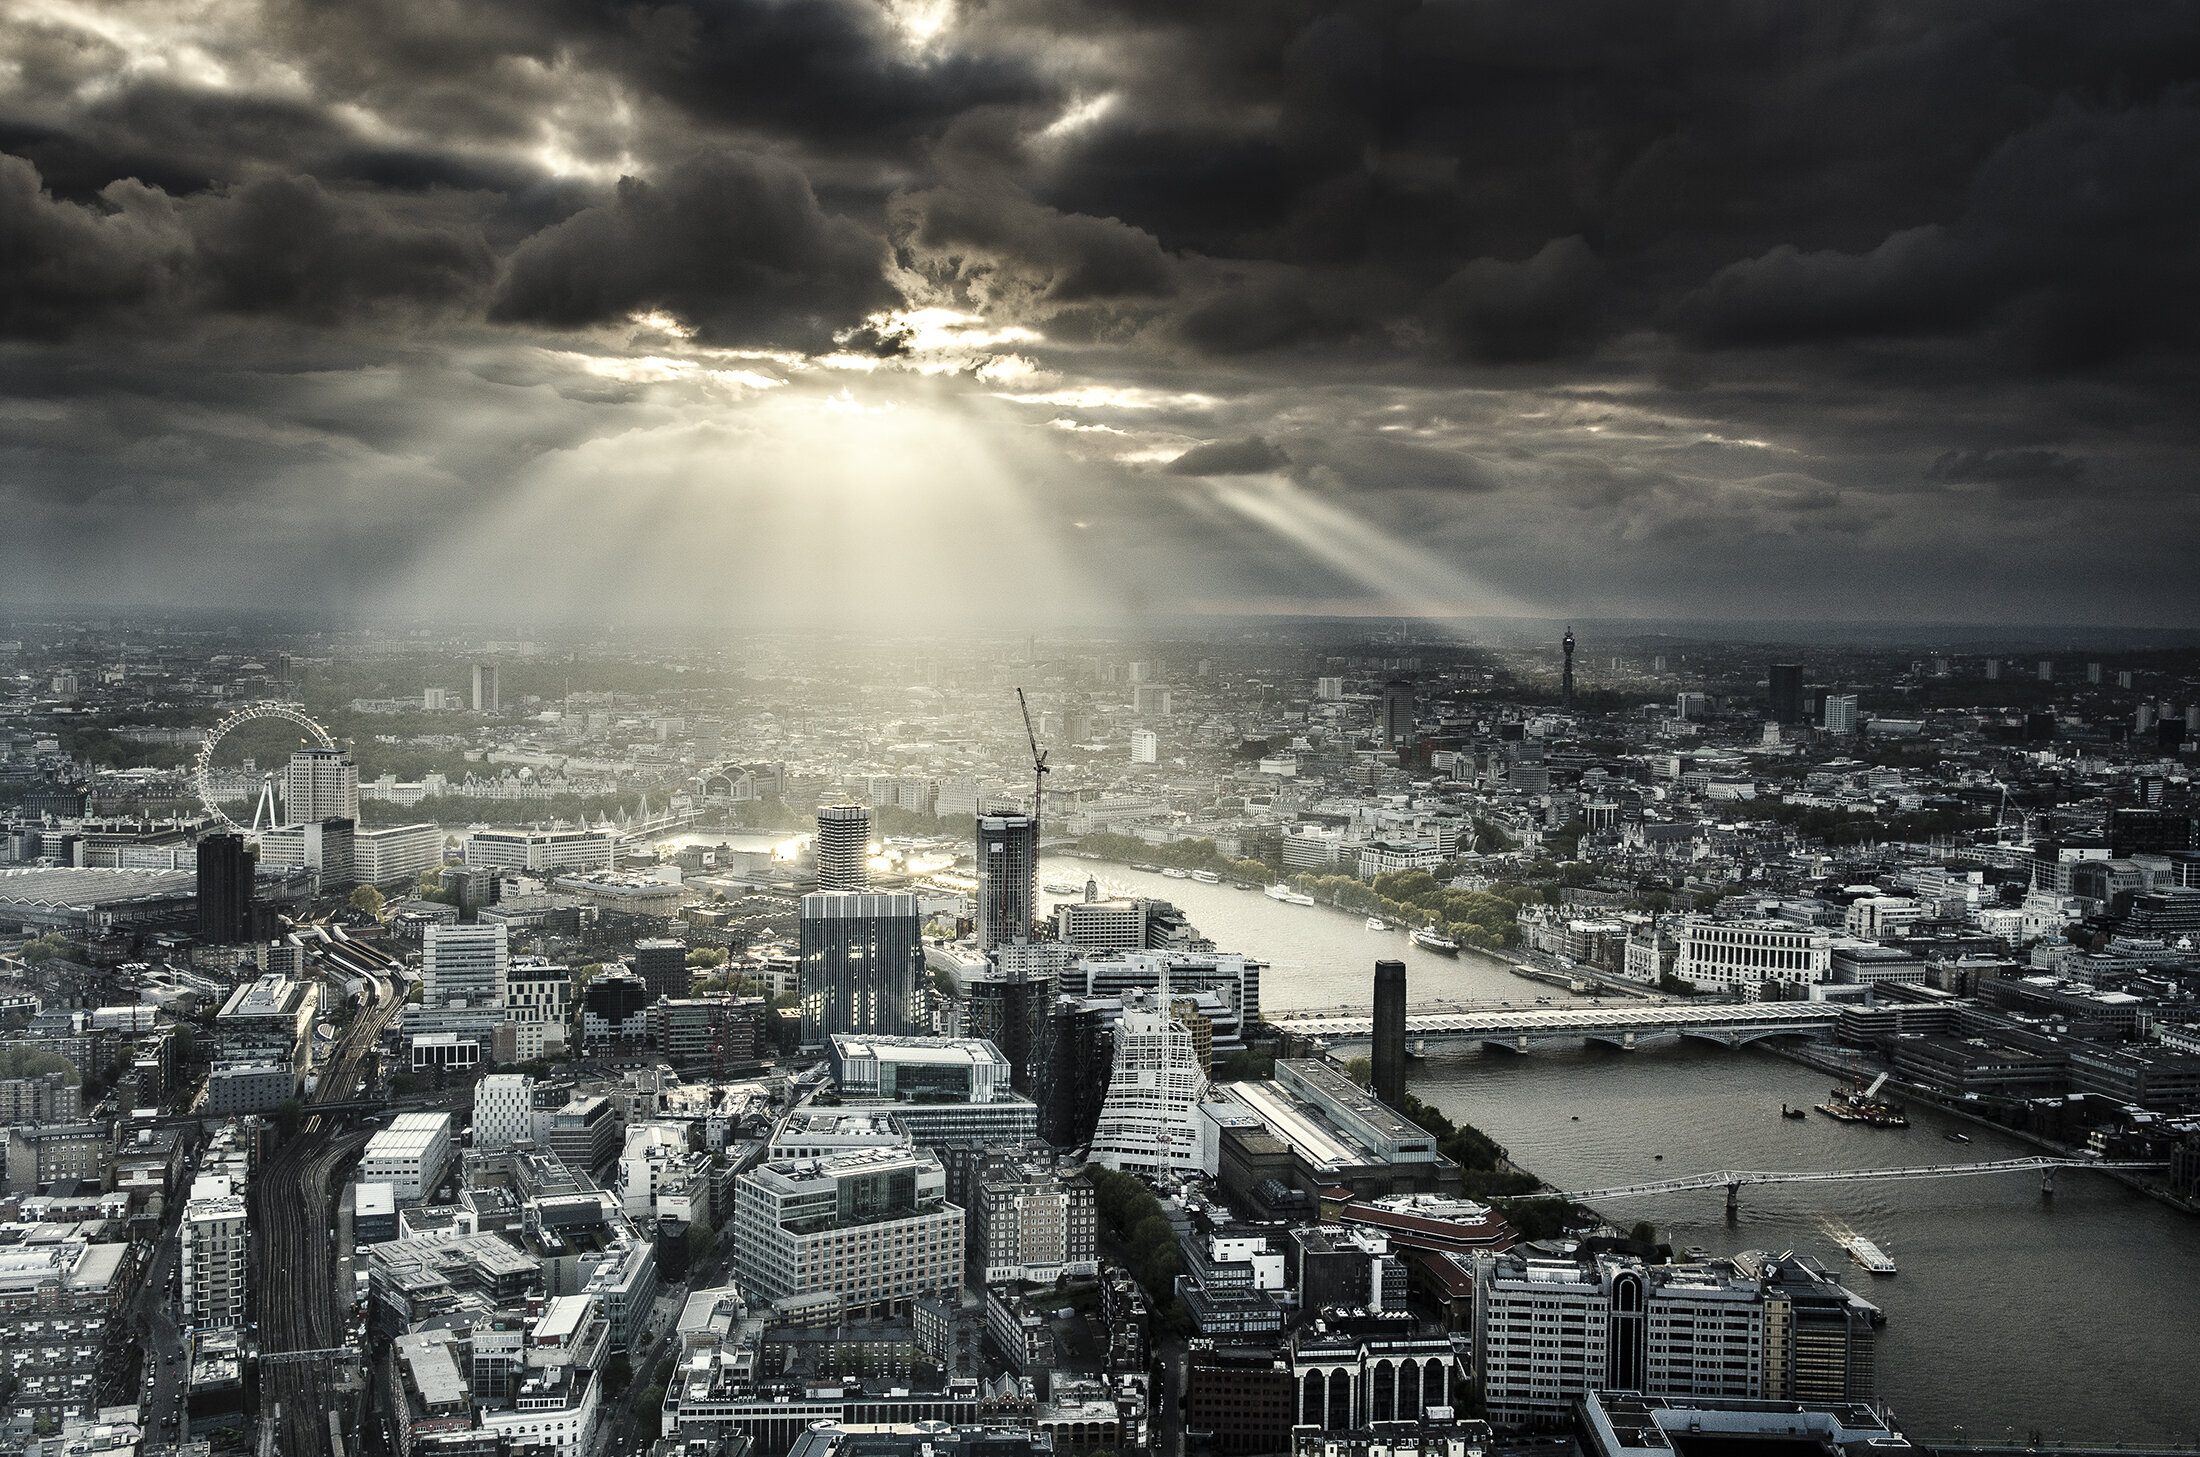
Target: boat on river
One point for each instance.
(1172, 873)
(1787, 1112)
(1206, 877)
(1377, 923)
(1061, 887)
(1428, 940)
(1288, 896)
(1863, 1105)
(1867, 1254)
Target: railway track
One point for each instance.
(292, 1206)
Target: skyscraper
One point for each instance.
(320, 784)
(1397, 724)
(1010, 1004)
(1149, 1120)
(225, 890)
(862, 963)
(1145, 746)
(485, 688)
(1566, 675)
(1840, 713)
(1008, 858)
(844, 847)
(1786, 692)
(1390, 1032)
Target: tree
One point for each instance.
(1643, 1233)
(1360, 1070)
(700, 1240)
(618, 1373)
(287, 1116)
(367, 898)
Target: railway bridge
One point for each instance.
(1627, 1027)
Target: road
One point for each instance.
(292, 1204)
(155, 1319)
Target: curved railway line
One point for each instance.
(292, 1206)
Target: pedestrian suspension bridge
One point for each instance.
(1732, 1180)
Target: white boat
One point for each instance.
(1431, 941)
(1058, 887)
(1206, 877)
(1867, 1254)
(1375, 923)
(1172, 873)
(1288, 896)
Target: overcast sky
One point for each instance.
(1018, 311)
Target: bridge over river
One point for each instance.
(1626, 1026)
(1732, 1180)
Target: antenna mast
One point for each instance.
(1038, 766)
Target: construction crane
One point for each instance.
(1038, 767)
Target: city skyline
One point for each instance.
(1452, 312)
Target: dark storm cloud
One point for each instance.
(735, 244)
(2048, 468)
(1688, 273)
(1247, 457)
(283, 247)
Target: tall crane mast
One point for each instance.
(1038, 765)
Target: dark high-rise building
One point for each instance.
(1008, 861)
(1786, 693)
(1389, 1055)
(1081, 1059)
(843, 847)
(862, 965)
(1566, 677)
(225, 890)
(1010, 1005)
(1397, 725)
(661, 963)
(2147, 832)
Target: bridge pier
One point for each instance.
(1733, 1202)
(2047, 1183)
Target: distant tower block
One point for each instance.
(1398, 714)
(1786, 685)
(1390, 1032)
(1566, 682)
(844, 847)
(485, 688)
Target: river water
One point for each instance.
(2076, 1316)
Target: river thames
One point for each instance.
(2074, 1316)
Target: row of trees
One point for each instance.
(1176, 855)
(1486, 920)
(1132, 1217)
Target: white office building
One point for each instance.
(1840, 713)
(538, 1001)
(542, 850)
(1741, 953)
(397, 855)
(871, 1232)
(1145, 746)
(409, 1155)
(213, 1259)
(504, 1106)
(1149, 1120)
(467, 964)
(320, 784)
